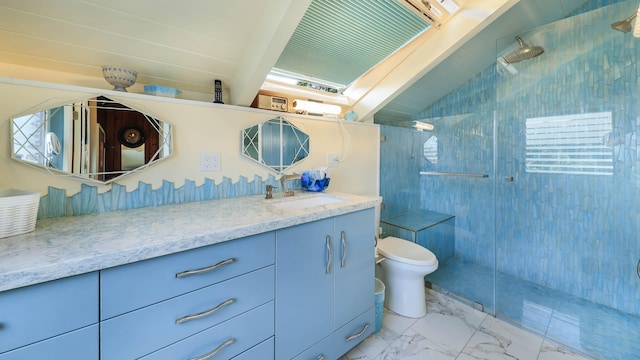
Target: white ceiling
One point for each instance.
(188, 44)
(185, 44)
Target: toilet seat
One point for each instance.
(405, 251)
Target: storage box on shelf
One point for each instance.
(18, 211)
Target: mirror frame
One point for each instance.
(254, 143)
(90, 105)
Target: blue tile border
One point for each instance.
(56, 203)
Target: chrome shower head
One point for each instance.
(624, 25)
(525, 52)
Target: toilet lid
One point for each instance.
(405, 251)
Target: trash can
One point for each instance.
(379, 304)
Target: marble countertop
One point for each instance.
(79, 244)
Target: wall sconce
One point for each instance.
(313, 107)
(420, 125)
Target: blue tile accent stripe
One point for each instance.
(56, 203)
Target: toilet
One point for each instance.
(404, 269)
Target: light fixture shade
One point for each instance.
(421, 125)
(316, 107)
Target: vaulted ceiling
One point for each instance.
(187, 44)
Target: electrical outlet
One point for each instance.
(333, 160)
(210, 162)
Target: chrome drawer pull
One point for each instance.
(216, 350)
(205, 313)
(344, 249)
(355, 336)
(328, 254)
(204, 269)
(321, 357)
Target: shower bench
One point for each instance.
(435, 231)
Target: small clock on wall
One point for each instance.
(131, 136)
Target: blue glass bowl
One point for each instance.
(314, 185)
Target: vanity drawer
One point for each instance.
(148, 329)
(262, 351)
(232, 337)
(80, 344)
(37, 312)
(132, 286)
(343, 339)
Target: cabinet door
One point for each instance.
(75, 345)
(354, 264)
(38, 312)
(304, 287)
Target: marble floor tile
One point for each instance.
(413, 346)
(393, 326)
(453, 330)
(448, 323)
(495, 339)
(551, 351)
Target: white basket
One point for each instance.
(18, 211)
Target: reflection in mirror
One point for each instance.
(430, 149)
(97, 139)
(275, 143)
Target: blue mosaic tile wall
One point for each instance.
(575, 233)
(56, 203)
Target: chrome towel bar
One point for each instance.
(438, 173)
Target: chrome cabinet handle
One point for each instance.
(205, 313)
(355, 336)
(204, 269)
(344, 249)
(328, 254)
(320, 357)
(216, 350)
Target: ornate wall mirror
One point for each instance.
(95, 139)
(275, 143)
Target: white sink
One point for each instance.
(308, 202)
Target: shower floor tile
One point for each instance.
(586, 327)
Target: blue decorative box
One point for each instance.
(314, 184)
(159, 90)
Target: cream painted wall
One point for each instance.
(199, 127)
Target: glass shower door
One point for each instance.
(567, 243)
(457, 179)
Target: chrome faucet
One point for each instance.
(270, 192)
(283, 183)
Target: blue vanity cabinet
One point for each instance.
(80, 344)
(304, 288)
(324, 285)
(227, 340)
(354, 277)
(44, 319)
(193, 301)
